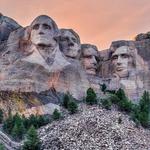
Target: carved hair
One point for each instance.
(29, 28)
(132, 53)
(62, 31)
(83, 46)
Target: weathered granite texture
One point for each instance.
(32, 61)
(70, 43)
(134, 56)
(28, 103)
(7, 25)
(41, 57)
(94, 128)
(35, 62)
(89, 58)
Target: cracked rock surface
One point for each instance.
(94, 128)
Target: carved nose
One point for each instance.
(41, 33)
(119, 61)
(71, 44)
(94, 60)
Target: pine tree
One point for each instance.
(103, 87)
(32, 141)
(72, 107)
(8, 123)
(18, 130)
(66, 100)
(121, 94)
(91, 97)
(2, 146)
(33, 120)
(56, 114)
(144, 112)
(1, 116)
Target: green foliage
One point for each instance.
(142, 111)
(17, 126)
(56, 114)
(8, 124)
(33, 120)
(66, 100)
(18, 130)
(72, 107)
(103, 87)
(91, 97)
(106, 103)
(36, 121)
(1, 116)
(43, 120)
(114, 98)
(70, 104)
(125, 105)
(122, 101)
(121, 94)
(2, 146)
(111, 91)
(32, 141)
(145, 102)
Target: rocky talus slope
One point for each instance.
(94, 128)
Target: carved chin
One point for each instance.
(123, 73)
(71, 53)
(91, 71)
(42, 41)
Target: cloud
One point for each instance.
(98, 21)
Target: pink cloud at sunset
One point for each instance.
(97, 22)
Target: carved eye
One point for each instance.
(114, 57)
(74, 40)
(35, 27)
(88, 56)
(124, 55)
(47, 27)
(63, 39)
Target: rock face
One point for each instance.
(28, 103)
(41, 57)
(35, 63)
(7, 25)
(127, 66)
(94, 128)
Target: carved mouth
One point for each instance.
(44, 45)
(92, 69)
(72, 48)
(120, 68)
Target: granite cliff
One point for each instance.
(42, 58)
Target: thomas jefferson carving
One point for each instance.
(89, 58)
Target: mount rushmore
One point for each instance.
(42, 57)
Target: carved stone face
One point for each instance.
(89, 60)
(42, 32)
(69, 44)
(122, 61)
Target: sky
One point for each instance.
(98, 22)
